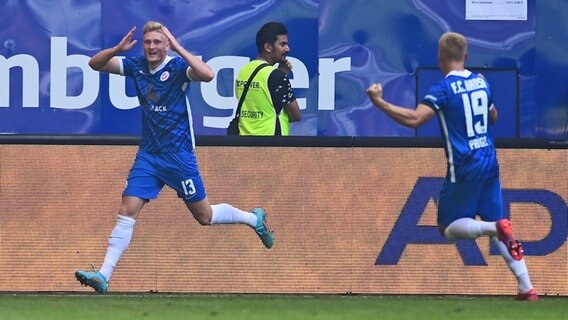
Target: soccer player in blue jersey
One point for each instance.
(166, 153)
(464, 106)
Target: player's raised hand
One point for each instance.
(375, 91)
(127, 43)
(174, 45)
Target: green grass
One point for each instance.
(265, 307)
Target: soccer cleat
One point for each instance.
(93, 279)
(505, 235)
(527, 296)
(261, 228)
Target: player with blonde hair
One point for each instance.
(166, 152)
(464, 106)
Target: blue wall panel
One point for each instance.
(338, 49)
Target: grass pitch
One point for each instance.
(265, 307)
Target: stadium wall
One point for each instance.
(346, 220)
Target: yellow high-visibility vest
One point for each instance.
(258, 116)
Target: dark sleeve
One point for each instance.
(280, 90)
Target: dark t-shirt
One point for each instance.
(280, 90)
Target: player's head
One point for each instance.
(452, 48)
(272, 42)
(156, 44)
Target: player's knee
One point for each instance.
(125, 211)
(203, 219)
(131, 206)
(201, 211)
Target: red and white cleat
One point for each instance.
(527, 296)
(505, 235)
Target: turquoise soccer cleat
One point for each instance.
(93, 279)
(261, 228)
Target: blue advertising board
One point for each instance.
(338, 48)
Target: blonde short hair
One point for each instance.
(151, 26)
(453, 46)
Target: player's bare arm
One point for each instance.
(407, 117)
(105, 60)
(199, 70)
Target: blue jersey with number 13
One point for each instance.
(461, 101)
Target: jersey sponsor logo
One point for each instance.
(164, 76)
(408, 231)
(158, 108)
(151, 93)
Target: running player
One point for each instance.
(464, 106)
(166, 152)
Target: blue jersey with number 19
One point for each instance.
(461, 101)
(166, 115)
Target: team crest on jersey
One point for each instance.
(164, 76)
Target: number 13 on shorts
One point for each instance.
(188, 187)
